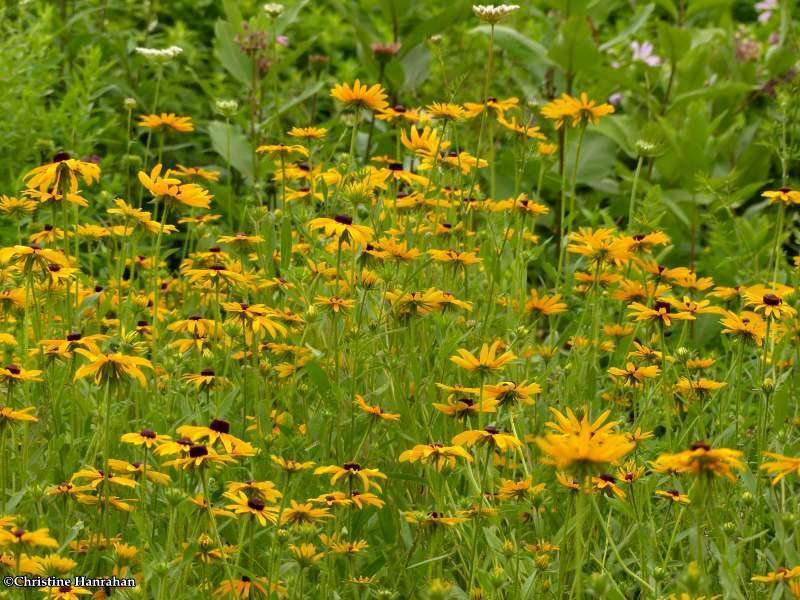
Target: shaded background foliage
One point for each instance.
(711, 107)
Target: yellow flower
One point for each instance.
(255, 506)
(577, 110)
(278, 150)
(17, 536)
(166, 121)
(338, 546)
(748, 327)
(781, 466)
(771, 305)
(674, 495)
(701, 458)
(578, 443)
(523, 130)
(375, 411)
(490, 436)
(785, 195)
(450, 112)
(439, 454)
(316, 133)
(486, 361)
(8, 415)
(608, 483)
(544, 304)
(352, 470)
(660, 313)
(778, 575)
(360, 96)
(300, 514)
(518, 490)
(343, 228)
(634, 376)
(146, 437)
(112, 367)
(50, 176)
(335, 303)
(508, 392)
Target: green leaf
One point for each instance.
(674, 41)
(225, 136)
(620, 129)
(636, 24)
(416, 66)
(529, 52)
(236, 62)
(455, 13)
(574, 49)
(318, 377)
(286, 243)
(697, 6)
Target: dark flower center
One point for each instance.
(660, 304)
(395, 166)
(351, 467)
(148, 433)
(220, 426)
(207, 372)
(492, 430)
(60, 157)
(772, 300)
(700, 446)
(399, 108)
(343, 219)
(198, 451)
(256, 504)
(74, 337)
(608, 478)
(13, 369)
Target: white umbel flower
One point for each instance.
(273, 9)
(493, 14)
(158, 54)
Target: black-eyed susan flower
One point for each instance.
(674, 495)
(301, 514)
(255, 506)
(780, 466)
(633, 375)
(576, 110)
(376, 412)
(490, 436)
(360, 96)
(167, 121)
(342, 228)
(353, 471)
(437, 454)
(488, 359)
(701, 458)
(112, 367)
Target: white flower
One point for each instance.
(273, 9)
(489, 13)
(159, 55)
(227, 108)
